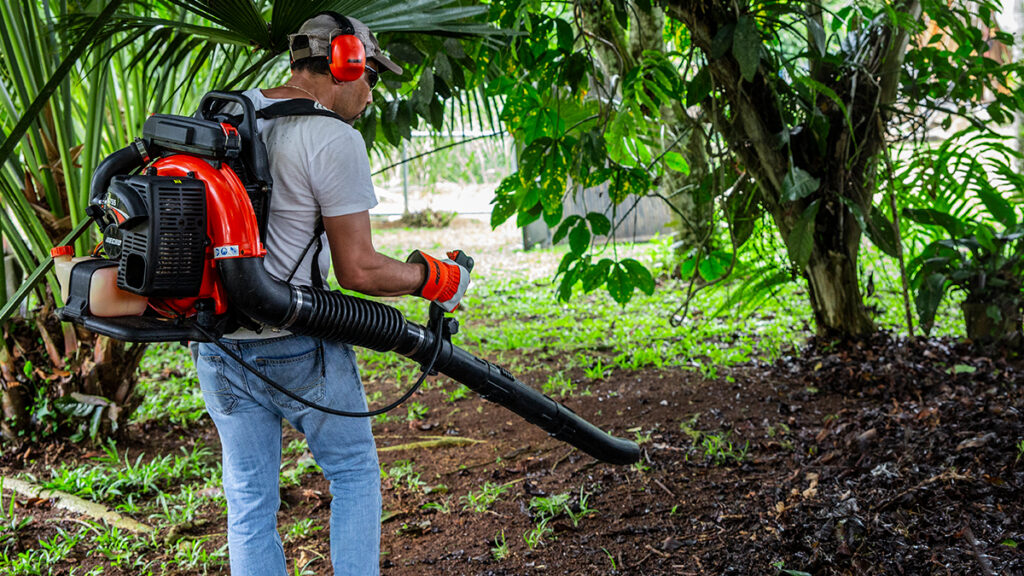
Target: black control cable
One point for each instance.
(426, 372)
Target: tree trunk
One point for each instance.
(836, 299)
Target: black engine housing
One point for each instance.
(161, 254)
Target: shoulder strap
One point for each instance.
(315, 277)
(295, 107)
(303, 107)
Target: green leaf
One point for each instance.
(579, 239)
(881, 233)
(596, 275)
(443, 68)
(722, 41)
(928, 298)
(599, 223)
(817, 34)
(564, 227)
(931, 217)
(675, 161)
(986, 238)
(801, 239)
(999, 207)
(565, 35)
(746, 47)
(620, 286)
(964, 369)
(639, 274)
(798, 184)
(715, 265)
(699, 88)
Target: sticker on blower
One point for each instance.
(225, 251)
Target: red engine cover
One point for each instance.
(230, 225)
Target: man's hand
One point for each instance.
(446, 281)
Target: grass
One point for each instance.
(481, 500)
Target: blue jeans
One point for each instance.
(248, 415)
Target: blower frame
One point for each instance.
(215, 149)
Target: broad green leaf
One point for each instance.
(675, 161)
(714, 265)
(699, 87)
(639, 274)
(746, 46)
(579, 239)
(563, 229)
(881, 233)
(931, 217)
(620, 285)
(599, 223)
(999, 207)
(798, 184)
(596, 275)
(986, 238)
(722, 41)
(565, 35)
(801, 239)
(928, 298)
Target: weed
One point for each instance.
(559, 384)
(401, 472)
(550, 506)
(610, 559)
(500, 549)
(178, 508)
(193, 554)
(295, 447)
(1020, 451)
(113, 477)
(483, 500)
(444, 507)
(720, 451)
(596, 371)
(640, 438)
(535, 536)
(301, 529)
(293, 476)
(457, 394)
(39, 561)
(10, 524)
(416, 411)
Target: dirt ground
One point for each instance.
(887, 457)
(899, 458)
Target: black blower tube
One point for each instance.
(337, 317)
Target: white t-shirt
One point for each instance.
(320, 168)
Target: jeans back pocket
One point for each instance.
(301, 374)
(215, 384)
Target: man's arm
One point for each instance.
(357, 264)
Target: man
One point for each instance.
(321, 172)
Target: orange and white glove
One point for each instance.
(447, 280)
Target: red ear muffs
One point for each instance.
(347, 58)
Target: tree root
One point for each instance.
(75, 504)
(431, 443)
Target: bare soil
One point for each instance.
(893, 457)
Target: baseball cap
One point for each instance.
(318, 31)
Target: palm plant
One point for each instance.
(146, 58)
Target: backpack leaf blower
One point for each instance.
(183, 213)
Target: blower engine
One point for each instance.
(183, 212)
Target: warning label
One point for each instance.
(225, 251)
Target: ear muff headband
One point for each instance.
(347, 56)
